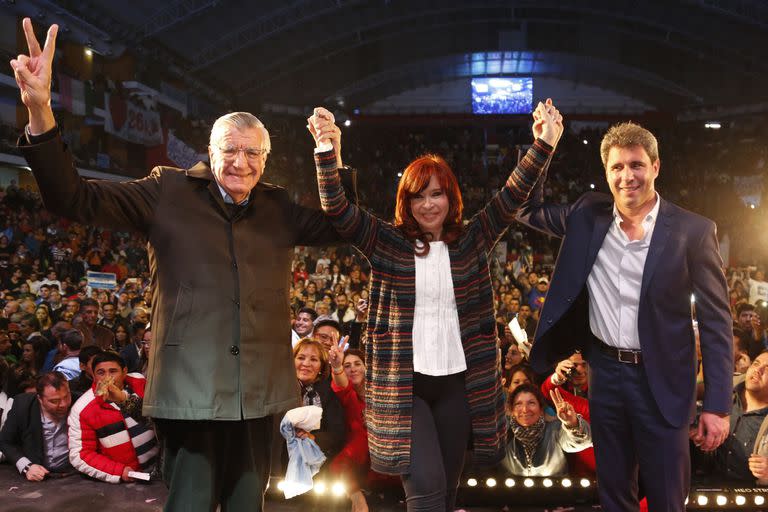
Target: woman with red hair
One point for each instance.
(432, 378)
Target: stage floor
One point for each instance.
(79, 494)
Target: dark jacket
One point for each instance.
(220, 280)
(22, 434)
(683, 259)
(330, 436)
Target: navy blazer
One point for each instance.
(683, 259)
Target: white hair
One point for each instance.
(239, 121)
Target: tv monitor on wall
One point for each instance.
(502, 95)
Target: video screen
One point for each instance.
(502, 95)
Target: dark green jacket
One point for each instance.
(220, 282)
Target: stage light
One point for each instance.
(338, 489)
(88, 52)
(585, 142)
(702, 500)
(281, 485)
(740, 500)
(592, 186)
(399, 175)
(528, 482)
(584, 482)
(566, 482)
(693, 299)
(721, 500)
(686, 500)
(759, 500)
(752, 206)
(712, 125)
(491, 482)
(472, 482)
(347, 123)
(320, 488)
(547, 482)
(509, 482)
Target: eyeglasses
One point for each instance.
(230, 152)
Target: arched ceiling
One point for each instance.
(673, 54)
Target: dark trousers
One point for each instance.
(439, 434)
(632, 439)
(207, 463)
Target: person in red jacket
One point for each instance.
(108, 437)
(353, 461)
(571, 378)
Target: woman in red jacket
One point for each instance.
(348, 371)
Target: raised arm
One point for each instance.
(351, 222)
(499, 213)
(63, 191)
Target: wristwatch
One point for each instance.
(26, 468)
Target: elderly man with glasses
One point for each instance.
(220, 246)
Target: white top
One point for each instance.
(615, 280)
(437, 348)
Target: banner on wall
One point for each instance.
(131, 122)
(180, 153)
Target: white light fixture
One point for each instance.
(712, 125)
(399, 175)
(528, 482)
(347, 123)
(702, 500)
(721, 500)
(585, 142)
(693, 299)
(320, 488)
(584, 482)
(547, 482)
(592, 186)
(509, 482)
(338, 489)
(740, 500)
(472, 482)
(88, 52)
(566, 482)
(759, 500)
(491, 482)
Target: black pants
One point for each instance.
(439, 434)
(207, 463)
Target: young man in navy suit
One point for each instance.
(621, 291)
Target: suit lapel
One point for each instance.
(603, 219)
(661, 232)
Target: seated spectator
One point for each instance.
(5, 349)
(303, 325)
(146, 347)
(311, 363)
(122, 337)
(44, 320)
(516, 376)
(345, 313)
(354, 461)
(110, 319)
(536, 447)
(31, 364)
(34, 437)
(70, 344)
(84, 381)
(53, 357)
(131, 353)
(748, 320)
(94, 334)
(569, 374)
(734, 459)
(107, 442)
(327, 331)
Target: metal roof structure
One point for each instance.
(676, 55)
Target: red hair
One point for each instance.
(415, 179)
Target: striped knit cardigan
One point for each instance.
(389, 350)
